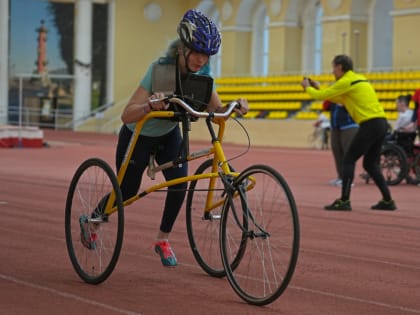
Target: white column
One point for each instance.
(83, 60)
(110, 53)
(4, 60)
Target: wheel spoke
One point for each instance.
(264, 237)
(93, 240)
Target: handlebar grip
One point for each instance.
(163, 99)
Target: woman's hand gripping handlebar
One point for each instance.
(173, 99)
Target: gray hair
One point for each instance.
(173, 47)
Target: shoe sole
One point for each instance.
(335, 209)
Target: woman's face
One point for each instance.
(194, 59)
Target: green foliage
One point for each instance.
(63, 18)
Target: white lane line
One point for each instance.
(359, 258)
(324, 293)
(67, 295)
(359, 300)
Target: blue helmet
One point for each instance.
(199, 33)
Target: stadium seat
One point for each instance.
(278, 93)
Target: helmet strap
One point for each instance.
(186, 55)
(186, 52)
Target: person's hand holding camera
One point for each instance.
(309, 82)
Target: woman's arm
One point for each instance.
(139, 105)
(215, 105)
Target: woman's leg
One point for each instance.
(170, 151)
(138, 163)
(132, 178)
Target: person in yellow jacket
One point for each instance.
(359, 97)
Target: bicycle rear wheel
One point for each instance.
(266, 214)
(203, 228)
(93, 239)
(393, 163)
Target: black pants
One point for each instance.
(167, 148)
(367, 142)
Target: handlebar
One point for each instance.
(174, 99)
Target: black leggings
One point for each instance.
(367, 142)
(167, 148)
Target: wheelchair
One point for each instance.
(400, 159)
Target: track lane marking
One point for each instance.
(66, 295)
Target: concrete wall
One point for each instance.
(284, 133)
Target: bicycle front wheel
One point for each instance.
(203, 227)
(264, 211)
(93, 239)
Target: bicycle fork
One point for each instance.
(232, 189)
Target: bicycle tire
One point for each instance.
(92, 182)
(203, 232)
(272, 236)
(393, 164)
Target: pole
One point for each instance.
(110, 53)
(4, 60)
(356, 47)
(343, 39)
(20, 112)
(83, 60)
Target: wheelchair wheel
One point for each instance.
(413, 174)
(393, 163)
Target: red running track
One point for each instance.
(359, 262)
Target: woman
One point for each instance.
(198, 40)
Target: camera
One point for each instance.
(311, 82)
(309, 79)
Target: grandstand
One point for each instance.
(282, 97)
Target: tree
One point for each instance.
(63, 18)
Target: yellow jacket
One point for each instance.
(355, 93)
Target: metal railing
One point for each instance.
(34, 100)
(45, 101)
